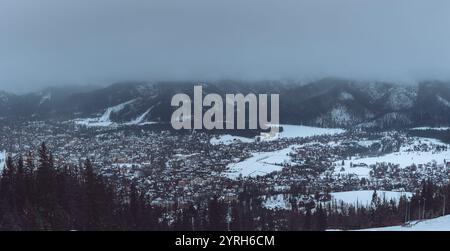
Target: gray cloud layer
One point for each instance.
(51, 42)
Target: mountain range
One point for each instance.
(328, 102)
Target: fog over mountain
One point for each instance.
(65, 42)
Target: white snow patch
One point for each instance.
(2, 159)
(423, 128)
(45, 98)
(401, 98)
(227, 139)
(443, 101)
(260, 164)
(436, 224)
(341, 115)
(359, 171)
(346, 96)
(294, 131)
(276, 202)
(367, 143)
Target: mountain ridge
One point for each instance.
(328, 102)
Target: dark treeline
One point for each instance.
(36, 194)
(248, 214)
(442, 135)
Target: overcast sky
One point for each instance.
(60, 42)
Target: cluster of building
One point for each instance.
(181, 168)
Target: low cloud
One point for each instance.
(60, 42)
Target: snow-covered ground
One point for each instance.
(105, 119)
(227, 139)
(423, 128)
(289, 131)
(360, 171)
(436, 224)
(364, 197)
(2, 159)
(406, 156)
(126, 165)
(264, 163)
(293, 131)
(45, 98)
(279, 201)
(361, 198)
(139, 120)
(260, 164)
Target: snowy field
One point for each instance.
(405, 157)
(364, 197)
(289, 131)
(361, 172)
(260, 164)
(436, 224)
(227, 139)
(264, 163)
(294, 131)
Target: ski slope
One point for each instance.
(141, 119)
(105, 119)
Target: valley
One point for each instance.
(301, 168)
(347, 156)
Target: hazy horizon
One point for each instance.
(96, 43)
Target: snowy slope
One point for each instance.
(436, 224)
(141, 119)
(106, 116)
(105, 119)
(443, 101)
(45, 98)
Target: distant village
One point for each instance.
(182, 168)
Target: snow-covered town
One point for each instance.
(299, 168)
